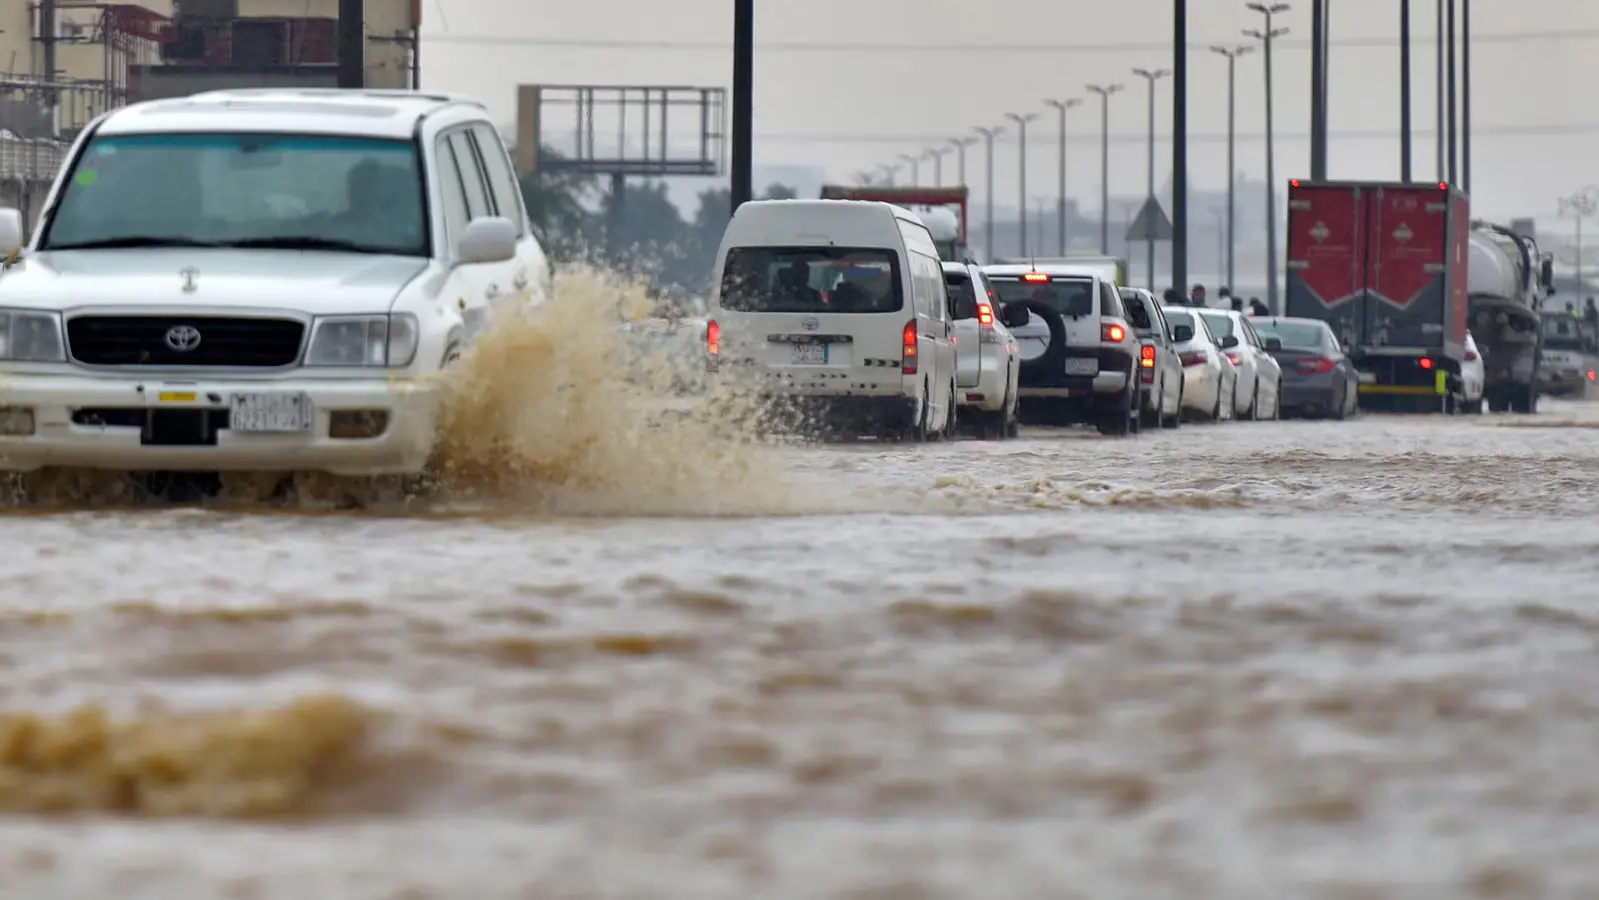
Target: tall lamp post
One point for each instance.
(1021, 121)
(1151, 76)
(742, 140)
(960, 144)
(1104, 91)
(1584, 204)
(988, 135)
(936, 154)
(1265, 36)
(915, 164)
(1062, 107)
(1232, 54)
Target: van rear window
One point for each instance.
(811, 280)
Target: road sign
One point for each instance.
(1150, 224)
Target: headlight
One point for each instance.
(386, 341)
(31, 336)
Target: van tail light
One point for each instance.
(1036, 278)
(907, 362)
(1471, 356)
(1315, 366)
(1110, 331)
(713, 338)
(1591, 374)
(1193, 358)
(985, 315)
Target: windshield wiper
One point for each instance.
(302, 242)
(142, 240)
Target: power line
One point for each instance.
(1477, 131)
(967, 47)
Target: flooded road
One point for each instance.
(1255, 660)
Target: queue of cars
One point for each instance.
(845, 311)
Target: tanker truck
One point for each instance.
(1507, 283)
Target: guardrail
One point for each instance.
(31, 159)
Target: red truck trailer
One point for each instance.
(1385, 264)
(951, 238)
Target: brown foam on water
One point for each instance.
(554, 408)
(236, 764)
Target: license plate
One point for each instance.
(269, 412)
(810, 354)
(1368, 377)
(1078, 365)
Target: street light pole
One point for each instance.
(1583, 204)
(1151, 76)
(1061, 107)
(1406, 132)
(936, 154)
(960, 145)
(1265, 36)
(743, 137)
(1232, 54)
(1104, 91)
(915, 164)
(1021, 145)
(988, 191)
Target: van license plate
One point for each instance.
(1078, 365)
(267, 413)
(810, 354)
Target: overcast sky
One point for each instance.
(949, 65)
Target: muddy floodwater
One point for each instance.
(1274, 660)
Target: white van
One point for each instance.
(837, 307)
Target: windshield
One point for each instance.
(1067, 296)
(1294, 335)
(962, 296)
(360, 194)
(811, 280)
(1221, 324)
(1562, 332)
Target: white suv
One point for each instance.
(259, 280)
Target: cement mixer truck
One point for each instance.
(1508, 281)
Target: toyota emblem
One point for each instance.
(810, 324)
(183, 338)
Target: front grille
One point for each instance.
(223, 341)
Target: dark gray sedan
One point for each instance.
(1318, 377)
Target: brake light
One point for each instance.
(907, 363)
(713, 338)
(1425, 363)
(1590, 375)
(1194, 358)
(1234, 357)
(1113, 333)
(1035, 278)
(1471, 356)
(1146, 356)
(1315, 366)
(985, 315)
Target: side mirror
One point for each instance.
(1274, 343)
(1182, 333)
(10, 231)
(1014, 316)
(1228, 342)
(490, 239)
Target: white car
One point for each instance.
(261, 280)
(836, 311)
(1258, 394)
(987, 359)
(1472, 377)
(1210, 382)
